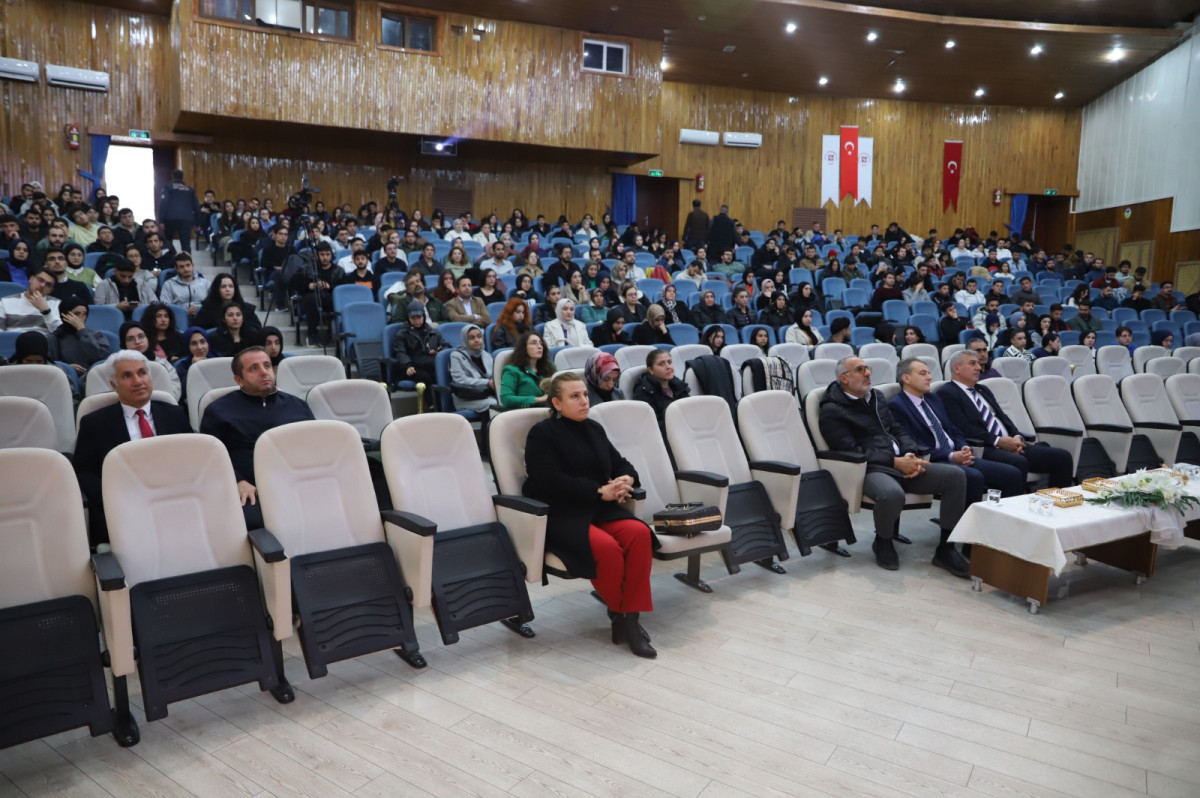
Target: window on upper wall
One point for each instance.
(604, 56)
(231, 10)
(409, 31)
(333, 18)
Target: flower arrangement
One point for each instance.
(1156, 489)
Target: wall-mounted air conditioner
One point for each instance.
(710, 138)
(71, 78)
(16, 69)
(743, 139)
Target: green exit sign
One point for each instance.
(656, 173)
(139, 134)
(1051, 192)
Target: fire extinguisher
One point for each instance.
(73, 136)
(700, 182)
(997, 196)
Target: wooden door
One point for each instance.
(1187, 276)
(1139, 253)
(1101, 241)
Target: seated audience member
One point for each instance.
(677, 311)
(198, 348)
(708, 312)
(1125, 338)
(106, 241)
(471, 379)
(854, 418)
(803, 331)
(392, 260)
(978, 344)
(778, 315)
(464, 306)
(75, 344)
(239, 418)
(511, 323)
(694, 273)
(1163, 338)
(601, 373)
(272, 341)
(165, 340)
(741, 314)
(574, 289)
(34, 308)
(762, 340)
(233, 333)
(979, 320)
(1026, 293)
(596, 310)
(887, 289)
(839, 330)
(1056, 319)
(1084, 321)
(1051, 344)
(1164, 300)
(913, 335)
(157, 256)
(1017, 347)
(1137, 299)
(133, 336)
(653, 331)
(631, 306)
(185, 288)
(414, 291)
(415, 346)
(547, 311)
(491, 290)
(520, 381)
(361, 273)
(1107, 299)
(804, 298)
(122, 289)
(133, 417)
(318, 287)
(16, 267)
(224, 291)
(574, 468)
(714, 338)
(611, 330)
(56, 263)
(525, 289)
(975, 412)
(659, 386)
(565, 329)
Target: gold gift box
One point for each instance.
(1097, 484)
(1178, 475)
(1062, 498)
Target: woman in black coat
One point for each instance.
(659, 386)
(574, 468)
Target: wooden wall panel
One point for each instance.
(134, 49)
(1148, 221)
(1010, 147)
(520, 84)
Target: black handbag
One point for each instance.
(687, 519)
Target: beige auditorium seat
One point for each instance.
(574, 357)
(832, 351)
(1056, 419)
(202, 377)
(890, 390)
(1008, 396)
(1186, 353)
(1113, 361)
(771, 430)
(317, 499)
(1193, 366)
(681, 354)
(26, 424)
(1059, 366)
(48, 385)
(499, 361)
(629, 379)
(950, 350)
(460, 548)
(883, 370)
(1082, 359)
(91, 404)
(1183, 391)
(300, 374)
(1016, 369)
(1164, 367)
(506, 442)
(363, 404)
(755, 498)
(53, 676)
(630, 356)
(1144, 354)
(878, 349)
(794, 354)
(98, 380)
(1145, 399)
(1104, 416)
(932, 363)
(208, 399)
(813, 375)
(632, 429)
(201, 596)
(737, 354)
(920, 351)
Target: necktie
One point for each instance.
(939, 433)
(989, 418)
(144, 425)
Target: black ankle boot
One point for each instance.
(613, 617)
(635, 636)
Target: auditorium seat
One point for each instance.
(1016, 369)
(574, 357)
(1164, 367)
(1052, 365)
(1114, 362)
(506, 442)
(1056, 419)
(363, 404)
(1149, 408)
(737, 354)
(48, 385)
(794, 354)
(681, 354)
(208, 399)
(883, 370)
(204, 376)
(1104, 416)
(1186, 353)
(635, 355)
(1082, 359)
(300, 374)
(26, 423)
(832, 351)
(878, 349)
(813, 375)
(1144, 354)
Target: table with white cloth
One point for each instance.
(1017, 549)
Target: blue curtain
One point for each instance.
(624, 208)
(100, 146)
(1020, 204)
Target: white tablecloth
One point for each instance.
(1011, 527)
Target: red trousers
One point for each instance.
(622, 553)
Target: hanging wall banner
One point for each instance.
(847, 164)
(951, 173)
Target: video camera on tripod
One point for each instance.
(302, 199)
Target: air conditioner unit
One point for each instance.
(743, 139)
(709, 138)
(16, 69)
(71, 78)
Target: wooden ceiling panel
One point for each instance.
(1117, 13)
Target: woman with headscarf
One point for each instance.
(601, 373)
(15, 269)
(803, 331)
(709, 311)
(198, 348)
(594, 311)
(471, 379)
(778, 314)
(611, 331)
(1163, 338)
(653, 331)
(272, 341)
(565, 329)
(677, 312)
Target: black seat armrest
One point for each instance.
(370, 444)
(522, 504)
(108, 571)
(1190, 422)
(703, 478)
(1070, 433)
(1157, 425)
(267, 545)
(410, 521)
(842, 457)
(775, 467)
(1107, 428)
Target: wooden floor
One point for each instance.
(836, 679)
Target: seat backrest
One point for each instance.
(737, 354)
(91, 404)
(1186, 353)
(1098, 400)
(878, 349)
(26, 423)
(363, 404)
(1082, 358)
(1183, 391)
(1052, 365)
(629, 380)
(918, 350)
(298, 375)
(681, 354)
(506, 439)
(202, 377)
(882, 369)
(573, 357)
(632, 429)
(208, 399)
(812, 416)
(42, 531)
(702, 437)
(1008, 394)
(1145, 399)
(1050, 403)
(832, 351)
(433, 469)
(771, 429)
(1163, 367)
(815, 374)
(1016, 369)
(1114, 361)
(889, 390)
(950, 350)
(931, 362)
(172, 507)
(49, 385)
(1144, 354)
(794, 354)
(315, 487)
(630, 356)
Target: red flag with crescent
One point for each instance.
(849, 162)
(951, 172)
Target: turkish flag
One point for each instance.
(951, 171)
(849, 162)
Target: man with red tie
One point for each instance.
(134, 416)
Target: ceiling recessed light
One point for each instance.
(872, 36)
(791, 27)
(822, 80)
(1059, 96)
(899, 86)
(979, 92)
(702, 18)
(1035, 50)
(665, 64)
(1116, 53)
(745, 74)
(729, 48)
(950, 44)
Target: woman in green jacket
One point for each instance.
(529, 365)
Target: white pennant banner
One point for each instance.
(831, 169)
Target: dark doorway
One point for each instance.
(658, 205)
(1047, 221)
(165, 159)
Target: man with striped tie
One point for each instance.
(973, 408)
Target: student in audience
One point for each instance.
(165, 340)
(185, 288)
(1088, 339)
(969, 296)
(74, 343)
(1125, 338)
(133, 335)
(565, 329)
(464, 306)
(709, 311)
(714, 338)
(198, 348)
(611, 330)
(762, 340)
(122, 289)
(511, 324)
(574, 289)
(33, 309)
(913, 335)
(803, 331)
(233, 333)
(520, 381)
(653, 331)
(16, 267)
(602, 375)
(362, 274)
(446, 288)
(839, 330)
(491, 290)
(145, 278)
(456, 261)
(777, 315)
(887, 289)
(415, 346)
(56, 263)
(1163, 338)
(1050, 346)
(631, 306)
(677, 312)
(427, 264)
(525, 289)
(223, 291)
(694, 273)
(272, 342)
(596, 310)
(548, 311)
(471, 377)
(740, 314)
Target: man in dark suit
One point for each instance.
(135, 416)
(974, 410)
(721, 233)
(921, 413)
